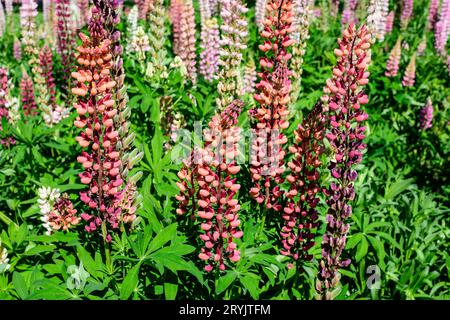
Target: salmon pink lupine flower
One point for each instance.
(394, 59)
(63, 216)
(343, 99)
(269, 119)
(410, 73)
(208, 189)
(28, 100)
(232, 44)
(299, 212)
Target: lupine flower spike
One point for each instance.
(269, 119)
(426, 115)
(410, 73)
(250, 76)
(65, 37)
(394, 59)
(299, 213)
(232, 43)
(442, 28)
(28, 99)
(343, 99)
(157, 35)
(208, 189)
(407, 11)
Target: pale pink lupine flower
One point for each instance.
(390, 21)
(442, 28)
(394, 59)
(433, 13)
(407, 11)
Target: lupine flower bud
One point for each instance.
(17, 50)
(343, 98)
(4, 265)
(407, 11)
(232, 44)
(269, 119)
(28, 99)
(208, 189)
(410, 73)
(157, 36)
(65, 37)
(209, 57)
(426, 115)
(394, 59)
(299, 212)
(250, 77)
(442, 28)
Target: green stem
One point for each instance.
(7, 220)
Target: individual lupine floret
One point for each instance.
(426, 115)
(28, 99)
(140, 44)
(232, 43)
(17, 50)
(299, 212)
(301, 36)
(442, 28)
(269, 119)
(47, 199)
(4, 261)
(209, 57)
(407, 11)
(187, 40)
(394, 59)
(157, 35)
(343, 98)
(250, 77)
(65, 37)
(208, 189)
(410, 73)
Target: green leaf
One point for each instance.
(20, 285)
(354, 240)
(170, 291)
(361, 251)
(167, 234)
(225, 281)
(251, 284)
(88, 262)
(130, 282)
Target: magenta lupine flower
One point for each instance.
(273, 96)
(410, 73)
(390, 21)
(28, 100)
(17, 50)
(442, 28)
(65, 37)
(343, 97)
(407, 11)
(46, 68)
(394, 59)
(299, 213)
(209, 57)
(208, 189)
(3, 94)
(426, 115)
